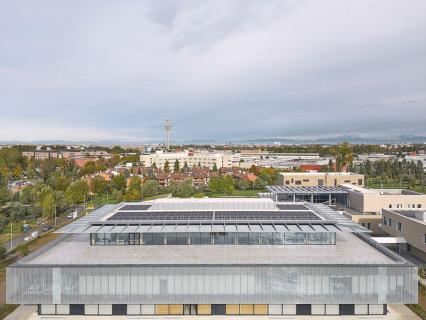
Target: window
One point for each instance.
(134, 238)
(243, 238)
(305, 180)
(385, 222)
(390, 222)
(298, 182)
(360, 182)
(399, 205)
(424, 238)
(368, 226)
(390, 206)
(399, 226)
(287, 182)
(419, 206)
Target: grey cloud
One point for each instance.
(217, 69)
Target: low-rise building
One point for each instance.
(366, 200)
(409, 224)
(212, 257)
(319, 179)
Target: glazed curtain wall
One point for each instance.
(212, 284)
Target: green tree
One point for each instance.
(45, 201)
(118, 182)
(4, 190)
(98, 185)
(89, 168)
(166, 166)
(221, 184)
(134, 191)
(183, 189)
(77, 191)
(176, 166)
(61, 183)
(214, 166)
(150, 188)
(344, 156)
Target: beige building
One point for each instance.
(320, 179)
(409, 224)
(203, 159)
(367, 200)
(42, 155)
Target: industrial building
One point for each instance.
(212, 257)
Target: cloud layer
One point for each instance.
(105, 69)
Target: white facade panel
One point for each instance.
(289, 309)
(332, 309)
(361, 309)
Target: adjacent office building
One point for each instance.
(212, 257)
(367, 200)
(319, 179)
(409, 224)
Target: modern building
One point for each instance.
(212, 257)
(319, 179)
(407, 224)
(328, 195)
(366, 200)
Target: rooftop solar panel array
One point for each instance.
(291, 207)
(137, 207)
(162, 215)
(216, 215)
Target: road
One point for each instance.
(61, 220)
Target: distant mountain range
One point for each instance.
(270, 140)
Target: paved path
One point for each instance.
(23, 312)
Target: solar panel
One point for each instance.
(138, 207)
(162, 215)
(291, 207)
(265, 215)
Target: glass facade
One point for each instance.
(214, 238)
(186, 284)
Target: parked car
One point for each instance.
(46, 227)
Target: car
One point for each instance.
(46, 228)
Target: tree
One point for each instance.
(166, 167)
(183, 189)
(98, 184)
(150, 188)
(77, 191)
(185, 165)
(3, 252)
(89, 168)
(222, 184)
(214, 166)
(46, 201)
(4, 190)
(154, 165)
(118, 182)
(176, 166)
(344, 156)
(61, 182)
(134, 191)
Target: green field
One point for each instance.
(392, 184)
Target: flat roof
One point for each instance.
(305, 190)
(76, 250)
(320, 173)
(365, 190)
(203, 215)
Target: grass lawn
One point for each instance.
(420, 308)
(393, 184)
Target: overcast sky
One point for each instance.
(98, 70)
